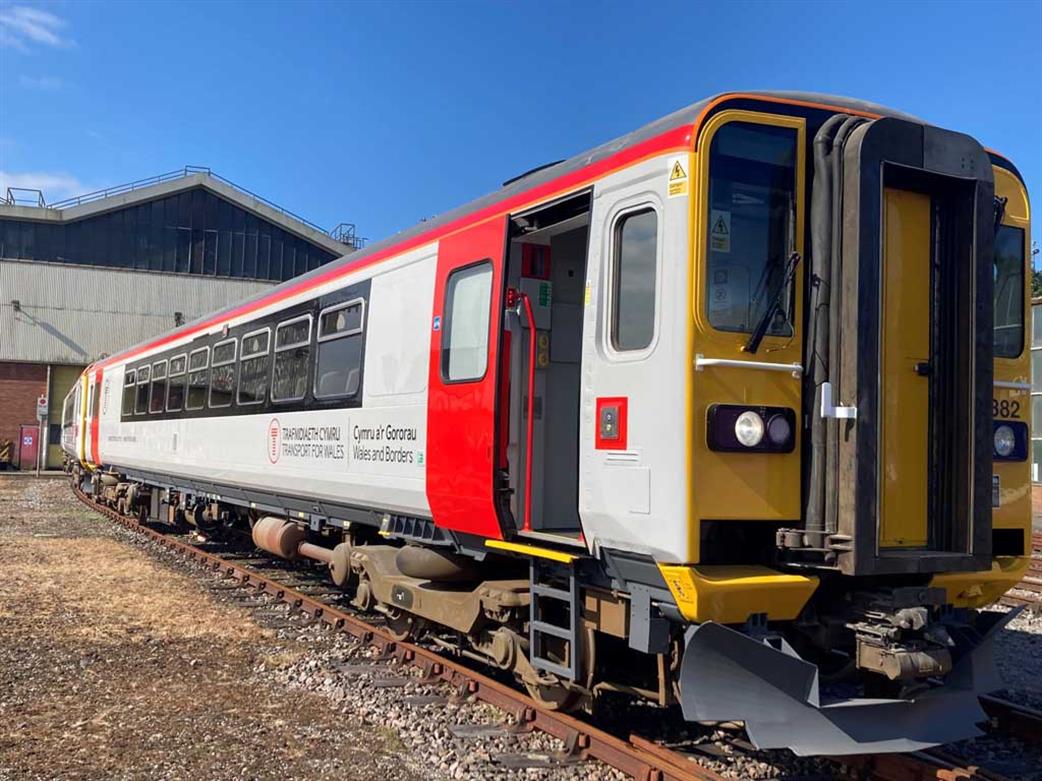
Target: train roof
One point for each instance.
(684, 117)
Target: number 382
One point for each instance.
(1005, 408)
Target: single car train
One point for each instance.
(729, 413)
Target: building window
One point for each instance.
(635, 253)
(141, 403)
(254, 367)
(158, 394)
(338, 367)
(464, 341)
(292, 354)
(751, 225)
(198, 378)
(1009, 291)
(175, 393)
(129, 382)
(222, 374)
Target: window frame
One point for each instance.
(171, 375)
(284, 348)
(446, 323)
(243, 356)
(709, 339)
(340, 334)
(188, 378)
(1025, 320)
(145, 380)
(320, 340)
(129, 384)
(224, 362)
(614, 254)
(151, 388)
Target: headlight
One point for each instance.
(748, 429)
(1005, 441)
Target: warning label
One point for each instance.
(720, 230)
(677, 184)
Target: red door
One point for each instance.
(461, 407)
(28, 446)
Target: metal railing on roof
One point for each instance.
(24, 196)
(349, 236)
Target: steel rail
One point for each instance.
(637, 757)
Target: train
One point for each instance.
(729, 415)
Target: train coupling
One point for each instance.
(730, 675)
(895, 636)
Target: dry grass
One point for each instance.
(110, 591)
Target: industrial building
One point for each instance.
(93, 275)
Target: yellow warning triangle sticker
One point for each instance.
(677, 172)
(720, 228)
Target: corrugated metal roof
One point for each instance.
(73, 314)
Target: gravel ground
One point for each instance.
(113, 666)
(129, 700)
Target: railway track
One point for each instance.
(1030, 587)
(637, 756)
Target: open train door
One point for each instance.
(461, 404)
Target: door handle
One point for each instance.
(924, 368)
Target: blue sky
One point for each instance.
(382, 114)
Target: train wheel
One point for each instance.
(404, 626)
(556, 696)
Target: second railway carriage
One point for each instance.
(728, 413)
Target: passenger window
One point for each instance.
(175, 392)
(633, 280)
(129, 383)
(198, 378)
(292, 353)
(751, 225)
(1009, 291)
(158, 394)
(141, 403)
(254, 367)
(338, 368)
(222, 374)
(464, 341)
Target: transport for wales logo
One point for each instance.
(274, 440)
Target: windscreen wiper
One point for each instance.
(775, 305)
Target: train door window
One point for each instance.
(158, 394)
(1009, 291)
(90, 400)
(634, 262)
(464, 351)
(141, 402)
(129, 383)
(254, 367)
(198, 378)
(751, 225)
(292, 354)
(338, 366)
(175, 388)
(222, 374)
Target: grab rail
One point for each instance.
(701, 362)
